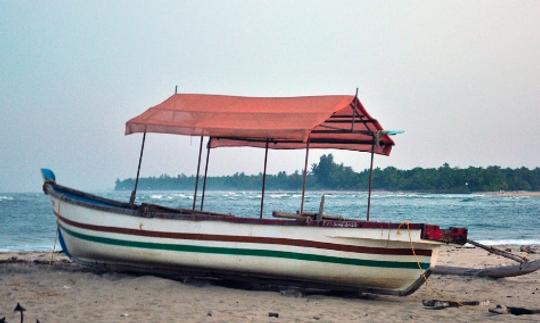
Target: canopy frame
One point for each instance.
(370, 182)
(197, 176)
(264, 178)
(133, 195)
(332, 121)
(205, 172)
(325, 133)
(304, 178)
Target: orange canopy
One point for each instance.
(332, 121)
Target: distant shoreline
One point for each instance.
(327, 174)
(329, 191)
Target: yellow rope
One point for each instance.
(428, 286)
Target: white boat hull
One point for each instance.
(391, 261)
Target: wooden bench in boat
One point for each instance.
(155, 208)
(307, 215)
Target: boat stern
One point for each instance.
(451, 235)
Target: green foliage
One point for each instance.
(327, 174)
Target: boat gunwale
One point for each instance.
(141, 210)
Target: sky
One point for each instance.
(462, 78)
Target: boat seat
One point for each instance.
(147, 207)
(305, 215)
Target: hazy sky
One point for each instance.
(461, 77)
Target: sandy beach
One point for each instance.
(62, 291)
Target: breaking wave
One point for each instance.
(510, 242)
(6, 198)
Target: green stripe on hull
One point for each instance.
(247, 252)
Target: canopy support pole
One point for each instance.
(264, 178)
(354, 109)
(370, 179)
(305, 178)
(134, 192)
(197, 176)
(205, 172)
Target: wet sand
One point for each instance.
(64, 292)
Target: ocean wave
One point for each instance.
(167, 197)
(231, 194)
(469, 199)
(279, 195)
(6, 198)
(492, 219)
(510, 242)
(27, 248)
(427, 196)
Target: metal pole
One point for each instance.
(369, 180)
(205, 171)
(197, 177)
(305, 177)
(354, 109)
(134, 192)
(264, 178)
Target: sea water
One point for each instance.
(28, 224)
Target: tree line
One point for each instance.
(327, 174)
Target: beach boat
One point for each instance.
(299, 249)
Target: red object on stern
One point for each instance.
(450, 235)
